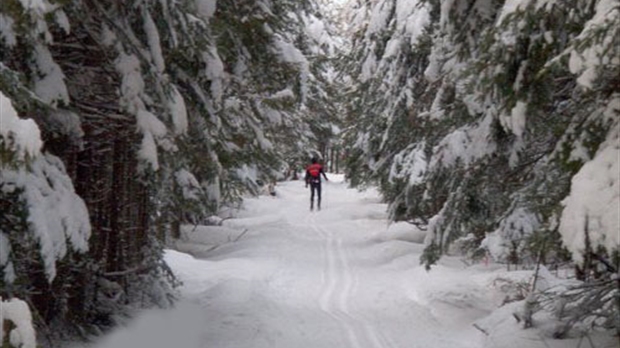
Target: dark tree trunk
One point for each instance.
(104, 166)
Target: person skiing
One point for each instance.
(313, 178)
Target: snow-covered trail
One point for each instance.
(335, 278)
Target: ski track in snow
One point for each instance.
(340, 284)
(326, 279)
(278, 276)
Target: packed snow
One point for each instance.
(279, 275)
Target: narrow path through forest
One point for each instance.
(337, 278)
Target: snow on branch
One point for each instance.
(593, 51)
(595, 196)
(17, 312)
(57, 216)
(410, 164)
(18, 135)
(466, 144)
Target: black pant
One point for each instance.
(315, 186)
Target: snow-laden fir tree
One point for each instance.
(151, 114)
(483, 122)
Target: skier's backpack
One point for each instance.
(314, 170)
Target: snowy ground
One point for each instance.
(279, 275)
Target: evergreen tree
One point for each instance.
(480, 121)
(151, 115)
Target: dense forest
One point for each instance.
(492, 125)
(135, 118)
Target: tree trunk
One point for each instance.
(104, 167)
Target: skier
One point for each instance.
(313, 178)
